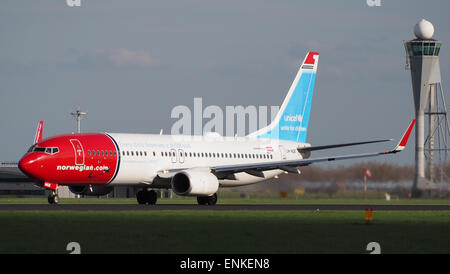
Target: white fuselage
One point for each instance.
(142, 156)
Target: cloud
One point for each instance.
(120, 58)
(125, 57)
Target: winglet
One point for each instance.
(38, 136)
(402, 144)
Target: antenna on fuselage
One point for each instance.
(77, 114)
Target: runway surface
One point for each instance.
(124, 207)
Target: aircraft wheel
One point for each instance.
(152, 197)
(140, 197)
(146, 197)
(212, 200)
(202, 200)
(53, 199)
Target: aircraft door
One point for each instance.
(173, 154)
(78, 150)
(282, 152)
(181, 153)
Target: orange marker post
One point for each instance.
(369, 215)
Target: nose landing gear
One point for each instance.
(53, 198)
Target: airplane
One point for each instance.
(94, 163)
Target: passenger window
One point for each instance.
(89, 152)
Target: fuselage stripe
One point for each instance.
(118, 158)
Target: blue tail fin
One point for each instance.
(291, 122)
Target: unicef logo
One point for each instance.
(293, 118)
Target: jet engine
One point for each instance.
(195, 183)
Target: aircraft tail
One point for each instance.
(291, 122)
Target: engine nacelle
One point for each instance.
(195, 183)
(91, 191)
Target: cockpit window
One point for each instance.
(49, 150)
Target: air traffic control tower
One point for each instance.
(423, 61)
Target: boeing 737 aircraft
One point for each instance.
(93, 163)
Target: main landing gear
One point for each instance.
(209, 200)
(53, 198)
(145, 197)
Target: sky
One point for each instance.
(129, 63)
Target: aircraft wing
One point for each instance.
(291, 166)
(313, 148)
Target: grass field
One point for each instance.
(224, 231)
(209, 231)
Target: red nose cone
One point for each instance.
(30, 165)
